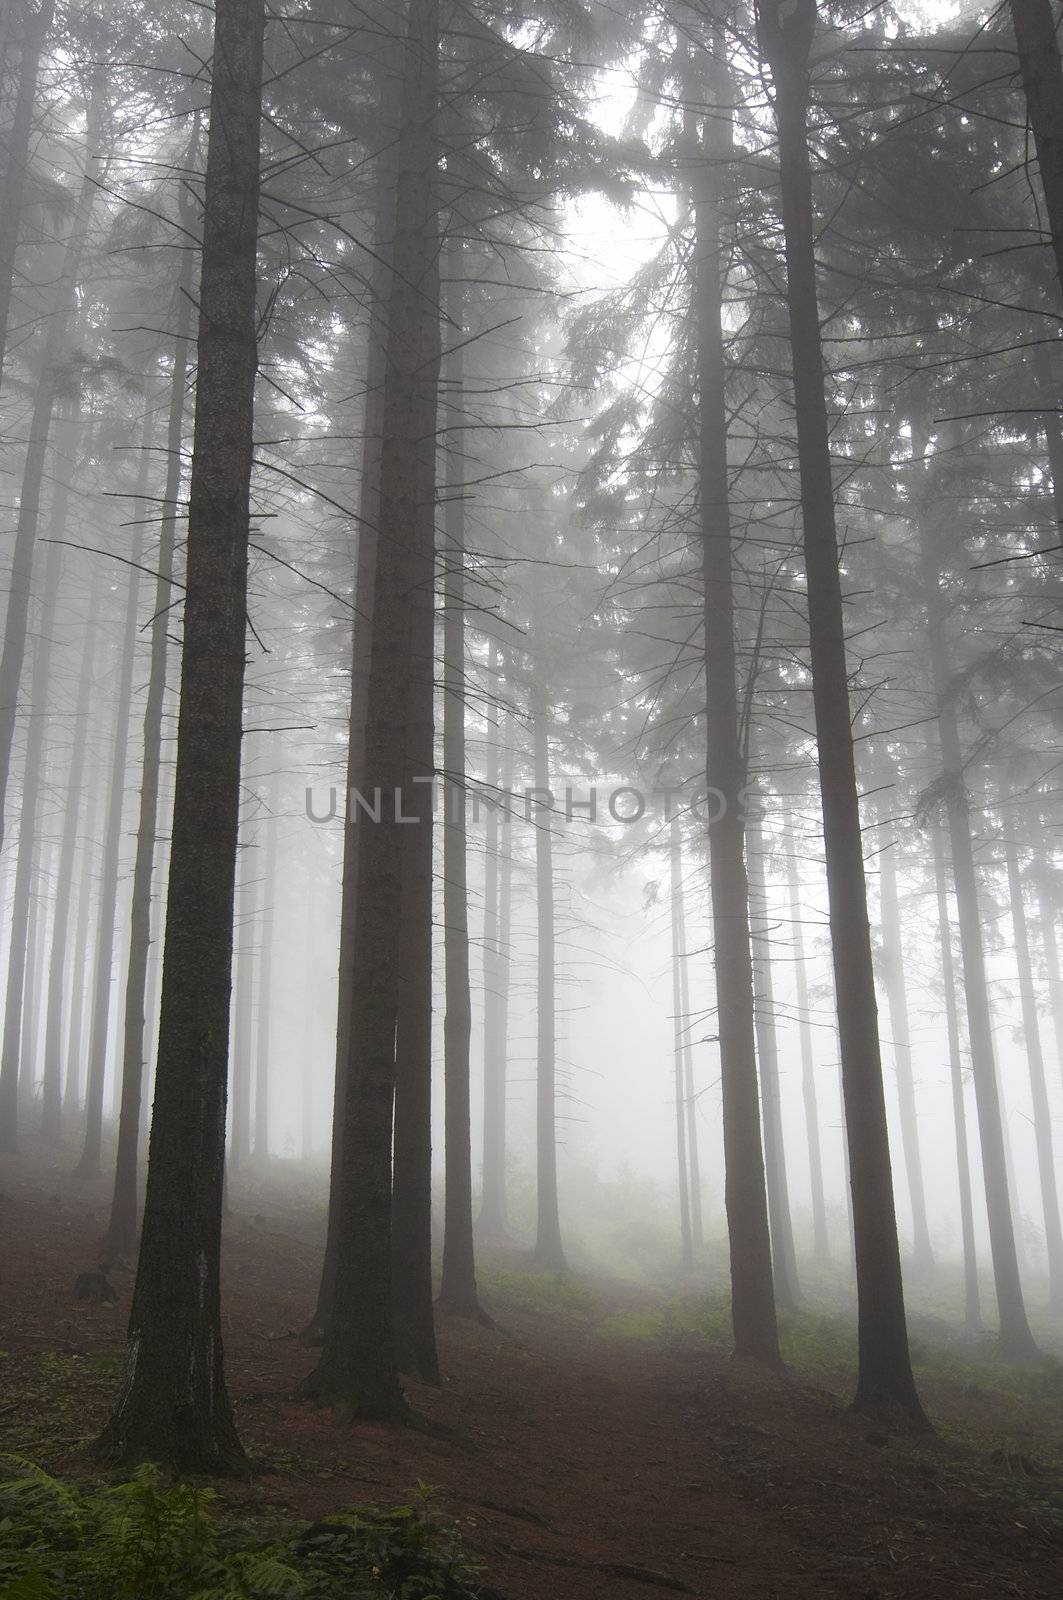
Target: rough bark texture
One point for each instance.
(752, 1291)
(357, 1369)
(884, 1378)
(173, 1405)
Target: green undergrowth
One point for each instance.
(146, 1539)
(545, 1293)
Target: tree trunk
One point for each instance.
(1042, 80)
(17, 1066)
(80, 963)
(1017, 1342)
(18, 599)
(457, 1293)
(752, 1292)
(680, 1023)
(59, 960)
(357, 1368)
(893, 970)
(1046, 920)
(971, 1294)
(1042, 1111)
(36, 25)
(498, 880)
(266, 901)
(810, 1099)
(885, 1373)
(361, 655)
(174, 1406)
(549, 1250)
(122, 1228)
(784, 1255)
(242, 1073)
(89, 1165)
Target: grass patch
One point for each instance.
(548, 1293)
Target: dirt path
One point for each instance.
(578, 1464)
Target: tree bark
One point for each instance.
(680, 1023)
(361, 655)
(753, 1313)
(893, 970)
(884, 1378)
(810, 1099)
(498, 880)
(89, 1165)
(17, 1060)
(549, 1249)
(1046, 919)
(61, 952)
(122, 1228)
(1017, 1342)
(357, 1369)
(266, 936)
(784, 1255)
(457, 1292)
(1042, 79)
(174, 1406)
(971, 1294)
(1042, 1111)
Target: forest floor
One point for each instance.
(600, 1443)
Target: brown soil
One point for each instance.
(579, 1464)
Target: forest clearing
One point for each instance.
(600, 1426)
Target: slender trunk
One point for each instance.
(174, 1405)
(457, 1292)
(18, 598)
(1042, 79)
(820, 1236)
(27, 1076)
(1046, 921)
(680, 1023)
(549, 1250)
(893, 970)
(1042, 1111)
(72, 1101)
(59, 961)
(498, 890)
(241, 1084)
(971, 1294)
(265, 934)
(784, 1255)
(753, 1314)
(308, 1107)
(393, 868)
(122, 1228)
(697, 1221)
(885, 1372)
(36, 25)
(17, 1065)
(89, 1165)
(361, 656)
(1017, 1342)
